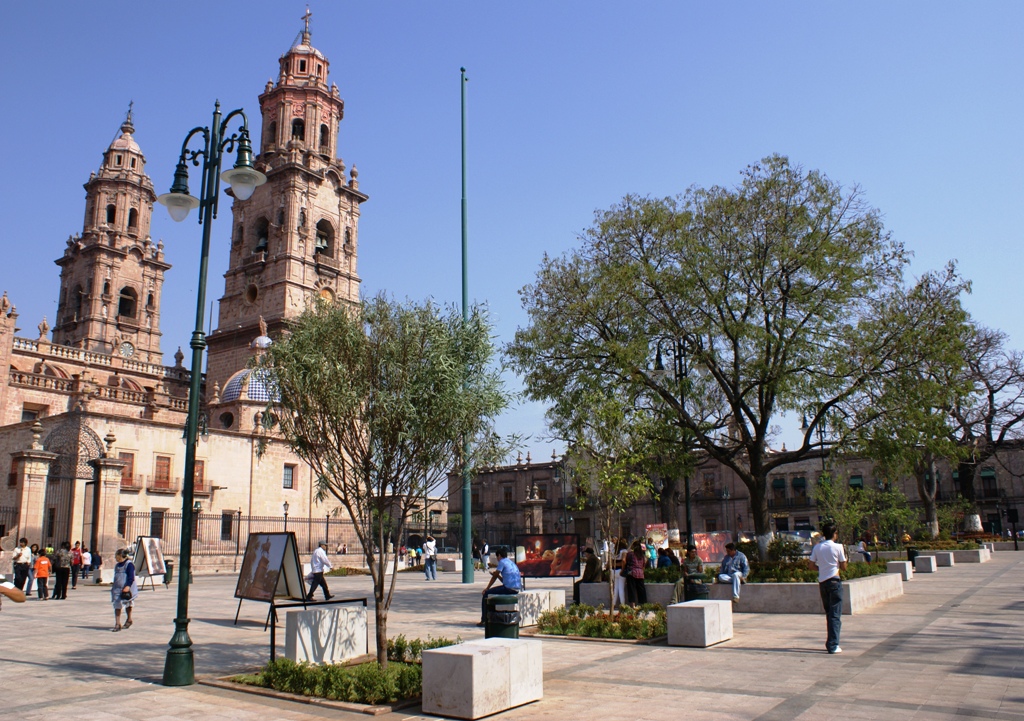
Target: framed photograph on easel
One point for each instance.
(149, 560)
(270, 569)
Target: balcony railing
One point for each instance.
(163, 485)
(131, 483)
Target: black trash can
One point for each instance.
(696, 592)
(169, 572)
(912, 553)
(502, 617)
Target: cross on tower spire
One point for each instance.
(305, 18)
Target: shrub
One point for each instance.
(642, 622)
(668, 574)
(362, 683)
(346, 571)
(939, 545)
(404, 651)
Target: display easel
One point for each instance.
(149, 560)
(270, 569)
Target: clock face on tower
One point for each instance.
(126, 349)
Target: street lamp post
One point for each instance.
(284, 507)
(680, 369)
(179, 666)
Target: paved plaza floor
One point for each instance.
(951, 648)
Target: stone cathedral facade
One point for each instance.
(91, 416)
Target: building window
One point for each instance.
(156, 523)
(710, 525)
(802, 524)
(162, 473)
(857, 482)
(111, 214)
(298, 129)
(122, 521)
(989, 488)
(227, 525)
(127, 302)
(27, 415)
(132, 163)
(799, 488)
(782, 524)
(542, 491)
(288, 477)
(475, 498)
(325, 138)
(199, 474)
(51, 521)
(506, 496)
(12, 477)
(302, 66)
(117, 159)
(272, 134)
(133, 218)
(128, 472)
(778, 489)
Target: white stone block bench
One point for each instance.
(925, 564)
(904, 568)
(325, 635)
(979, 555)
(450, 564)
(480, 678)
(533, 602)
(699, 624)
(944, 558)
(859, 595)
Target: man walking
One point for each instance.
(734, 569)
(829, 558)
(22, 563)
(319, 564)
(76, 563)
(485, 554)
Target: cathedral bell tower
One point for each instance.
(296, 238)
(111, 274)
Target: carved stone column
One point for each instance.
(105, 506)
(32, 468)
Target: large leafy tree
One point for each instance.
(377, 399)
(777, 291)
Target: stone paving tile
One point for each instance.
(951, 647)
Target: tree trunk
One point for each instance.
(926, 490)
(668, 501)
(381, 618)
(762, 517)
(966, 470)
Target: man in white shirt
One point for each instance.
(829, 558)
(22, 563)
(319, 565)
(430, 558)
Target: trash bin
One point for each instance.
(912, 553)
(169, 572)
(502, 617)
(696, 592)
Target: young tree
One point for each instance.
(377, 399)
(850, 509)
(773, 290)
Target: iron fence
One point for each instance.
(8, 520)
(225, 534)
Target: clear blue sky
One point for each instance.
(571, 106)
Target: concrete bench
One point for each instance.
(699, 624)
(327, 635)
(904, 568)
(925, 564)
(480, 678)
(450, 564)
(533, 602)
(980, 555)
(944, 558)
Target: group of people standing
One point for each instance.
(35, 564)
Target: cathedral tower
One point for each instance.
(112, 275)
(297, 236)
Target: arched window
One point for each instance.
(324, 236)
(111, 214)
(127, 302)
(149, 301)
(133, 218)
(262, 235)
(272, 134)
(106, 287)
(280, 217)
(299, 129)
(325, 138)
(302, 217)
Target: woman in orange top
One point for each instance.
(43, 567)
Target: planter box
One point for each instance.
(596, 594)
(904, 568)
(330, 635)
(859, 595)
(533, 602)
(699, 624)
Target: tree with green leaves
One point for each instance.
(850, 509)
(377, 399)
(777, 292)
(902, 421)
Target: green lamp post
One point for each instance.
(179, 666)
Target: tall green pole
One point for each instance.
(467, 493)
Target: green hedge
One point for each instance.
(363, 683)
(937, 545)
(403, 650)
(628, 622)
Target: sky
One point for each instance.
(571, 105)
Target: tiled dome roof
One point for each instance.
(250, 385)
